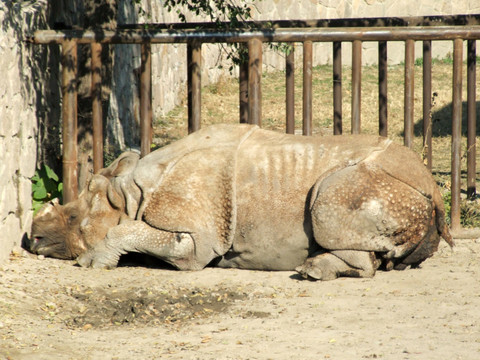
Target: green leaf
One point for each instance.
(37, 205)
(39, 193)
(45, 187)
(51, 174)
(35, 178)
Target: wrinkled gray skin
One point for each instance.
(239, 196)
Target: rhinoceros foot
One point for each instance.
(100, 257)
(331, 265)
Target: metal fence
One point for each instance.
(382, 30)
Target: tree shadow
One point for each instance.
(442, 121)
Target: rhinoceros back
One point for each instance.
(274, 176)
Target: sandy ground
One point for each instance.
(52, 309)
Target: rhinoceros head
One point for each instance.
(67, 231)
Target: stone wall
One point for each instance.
(29, 98)
(18, 120)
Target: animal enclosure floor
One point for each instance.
(52, 309)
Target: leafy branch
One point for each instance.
(223, 15)
(46, 186)
(217, 11)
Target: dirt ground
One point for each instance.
(52, 309)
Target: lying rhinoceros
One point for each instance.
(242, 197)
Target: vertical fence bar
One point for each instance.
(243, 84)
(456, 131)
(409, 92)
(97, 116)
(194, 64)
(337, 88)
(69, 120)
(307, 87)
(382, 89)
(471, 118)
(255, 82)
(290, 90)
(427, 102)
(146, 100)
(356, 86)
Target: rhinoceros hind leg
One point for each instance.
(331, 265)
(365, 209)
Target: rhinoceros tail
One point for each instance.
(441, 223)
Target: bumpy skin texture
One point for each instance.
(239, 196)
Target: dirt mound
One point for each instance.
(101, 308)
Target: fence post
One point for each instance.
(255, 82)
(337, 88)
(471, 119)
(194, 61)
(290, 89)
(456, 131)
(427, 102)
(69, 120)
(146, 100)
(97, 116)
(382, 89)
(409, 92)
(356, 86)
(307, 87)
(243, 84)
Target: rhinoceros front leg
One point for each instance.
(136, 236)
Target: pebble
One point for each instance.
(41, 257)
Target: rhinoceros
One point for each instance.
(237, 196)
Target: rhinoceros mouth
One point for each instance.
(39, 244)
(43, 245)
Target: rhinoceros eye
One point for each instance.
(72, 218)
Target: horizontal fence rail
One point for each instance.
(382, 30)
(163, 36)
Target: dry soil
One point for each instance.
(53, 309)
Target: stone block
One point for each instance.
(27, 154)
(11, 235)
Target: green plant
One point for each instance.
(447, 202)
(469, 211)
(46, 186)
(419, 61)
(447, 60)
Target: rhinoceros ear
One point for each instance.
(114, 198)
(123, 165)
(100, 183)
